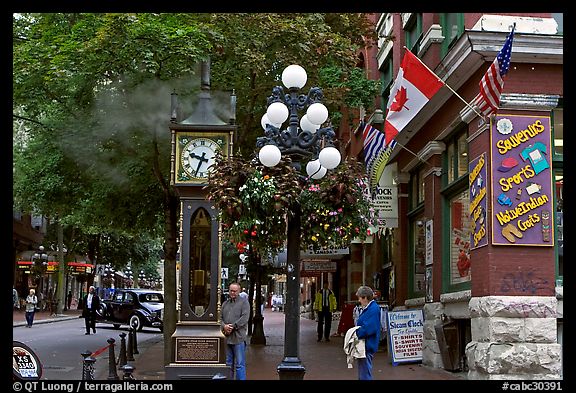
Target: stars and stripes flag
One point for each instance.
(414, 86)
(492, 82)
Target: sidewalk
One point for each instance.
(322, 360)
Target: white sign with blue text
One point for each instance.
(405, 335)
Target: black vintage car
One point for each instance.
(134, 307)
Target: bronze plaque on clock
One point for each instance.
(197, 349)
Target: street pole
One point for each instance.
(291, 367)
(61, 291)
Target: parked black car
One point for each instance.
(135, 307)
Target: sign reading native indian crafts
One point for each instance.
(522, 207)
(478, 201)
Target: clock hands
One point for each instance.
(201, 159)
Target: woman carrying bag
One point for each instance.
(31, 303)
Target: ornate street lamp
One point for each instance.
(129, 275)
(141, 279)
(108, 276)
(303, 139)
(40, 260)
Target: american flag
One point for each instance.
(491, 84)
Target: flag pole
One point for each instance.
(414, 154)
(446, 84)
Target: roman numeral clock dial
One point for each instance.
(195, 157)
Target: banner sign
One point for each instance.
(522, 207)
(405, 335)
(478, 201)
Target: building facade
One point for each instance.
(478, 241)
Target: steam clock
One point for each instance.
(198, 343)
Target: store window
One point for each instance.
(557, 118)
(418, 230)
(559, 183)
(459, 238)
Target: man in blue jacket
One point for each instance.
(369, 330)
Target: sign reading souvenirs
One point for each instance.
(478, 201)
(405, 335)
(522, 209)
(26, 365)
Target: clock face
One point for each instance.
(198, 156)
(196, 153)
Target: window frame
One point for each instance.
(448, 43)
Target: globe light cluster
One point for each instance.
(294, 77)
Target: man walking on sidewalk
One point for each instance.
(325, 305)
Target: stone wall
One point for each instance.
(514, 337)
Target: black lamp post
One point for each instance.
(129, 275)
(303, 139)
(109, 275)
(40, 260)
(141, 279)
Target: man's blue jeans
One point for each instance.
(236, 360)
(365, 367)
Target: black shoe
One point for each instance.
(327, 340)
(319, 340)
(87, 333)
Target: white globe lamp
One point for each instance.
(329, 157)
(294, 76)
(317, 113)
(306, 125)
(315, 170)
(277, 112)
(265, 120)
(269, 155)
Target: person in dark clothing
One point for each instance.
(91, 304)
(68, 300)
(324, 305)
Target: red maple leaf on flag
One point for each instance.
(399, 100)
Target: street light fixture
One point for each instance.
(128, 274)
(40, 259)
(302, 139)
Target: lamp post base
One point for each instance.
(258, 337)
(291, 368)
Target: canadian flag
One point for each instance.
(414, 86)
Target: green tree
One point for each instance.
(91, 104)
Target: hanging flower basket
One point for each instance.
(254, 201)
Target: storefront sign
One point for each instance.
(405, 335)
(325, 252)
(385, 203)
(478, 201)
(522, 207)
(319, 266)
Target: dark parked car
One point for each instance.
(134, 307)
